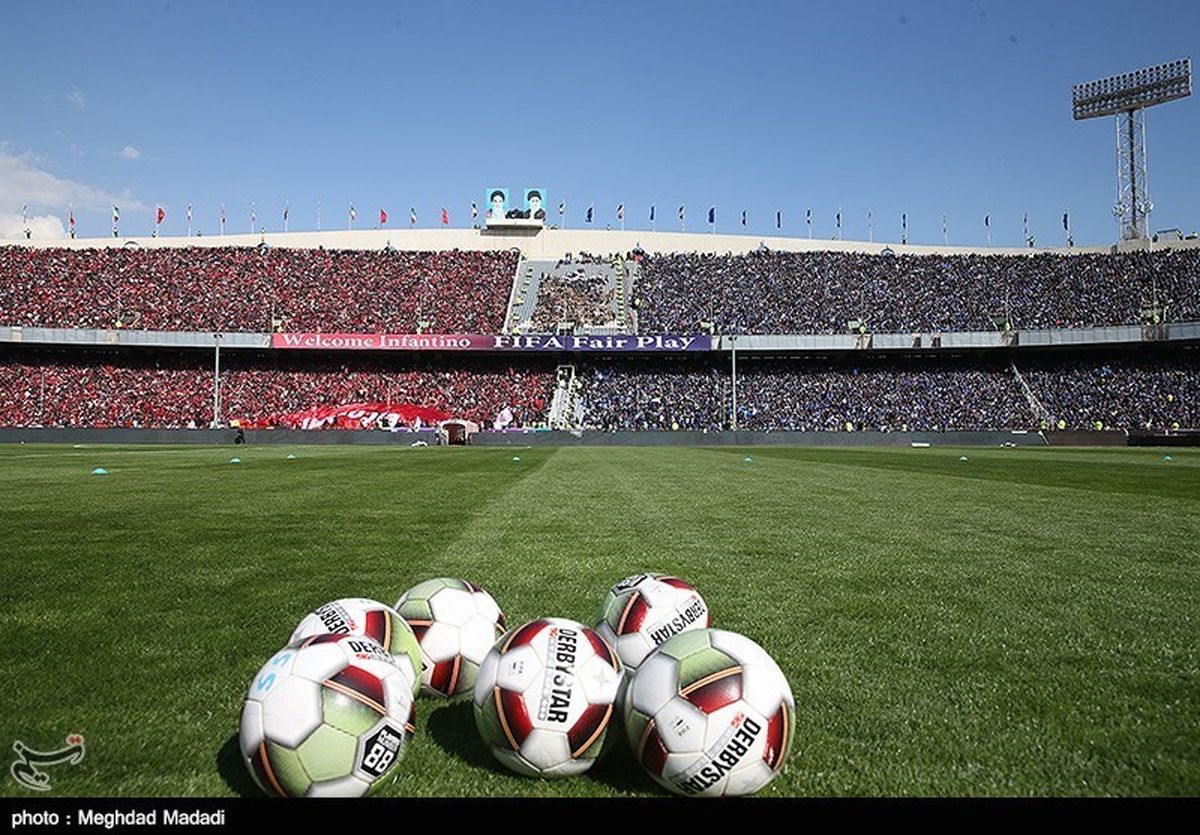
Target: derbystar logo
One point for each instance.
(722, 757)
(561, 649)
(335, 619)
(694, 611)
(367, 650)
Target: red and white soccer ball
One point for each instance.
(329, 716)
(371, 619)
(710, 713)
(643, 611)
(544, 697)
(455, 622)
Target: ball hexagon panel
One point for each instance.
(291, 711)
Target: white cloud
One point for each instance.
(77, 98)
(40, 227)
(24, 182)
(130, 152)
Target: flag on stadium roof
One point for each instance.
(562, 207)
(25, 214)
(474, 211)
(620, 211)
(778, 219)
(987, 221)
(382, 217)
(588, 217)
(712, 214)
(743, 217)
(412, 216)
(1066, 222)
(116, 214)
(353, 214)
(159, 214)
(681, 212)
(445, 217)
(651, 212)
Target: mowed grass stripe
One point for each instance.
(1137, 471)
(943, 635)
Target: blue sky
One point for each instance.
(918, 107)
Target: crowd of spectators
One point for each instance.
(1160, 393)
(175, 390)
(822, 292)
(580, 297)
(891, 395)
(264, 288)
(60, 387)
(256, 289)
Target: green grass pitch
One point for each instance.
(1024, 622)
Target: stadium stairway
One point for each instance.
(522, 301)
(566, 408)
(1040, 412)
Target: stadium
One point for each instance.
(940, 502)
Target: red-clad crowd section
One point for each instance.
(256, 289)
(175, 390)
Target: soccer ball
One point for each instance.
(328, 716)
(372, 619)
(544, 697)
(710, 714)
(642, 611)
(455, 622)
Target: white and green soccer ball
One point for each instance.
(369, 618)
(641, 612)
(455, 623)
(329, 716)
(710, 713)
(544, 697)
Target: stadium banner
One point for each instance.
(369, 415)
(532, 342)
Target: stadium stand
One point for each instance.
(893, 394)
(821, 292)
(259, 289)
(256, 289)
(142, 389)
(263, 289)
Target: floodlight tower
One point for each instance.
(1127, 96)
